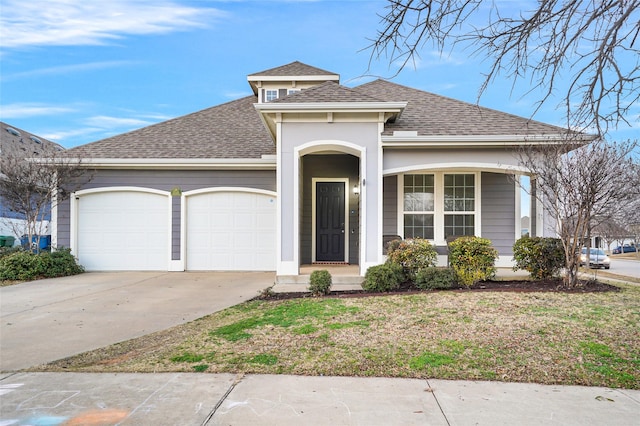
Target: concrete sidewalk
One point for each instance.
(225, 399)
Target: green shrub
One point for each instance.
(60, 263)
(436, 279)
(320, 282)
(381, 278)
(6, 251)
(541, 257)
(24, 265)
(413, 255)
(20, 265)
(473, 259)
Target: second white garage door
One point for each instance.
(231, 231)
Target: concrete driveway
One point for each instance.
(46, 320)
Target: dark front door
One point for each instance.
(330, 199)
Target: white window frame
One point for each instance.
(270, 91)
(439, 213)
(419, 212)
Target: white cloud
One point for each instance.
(106, 122)
(61, 136)
(429, 59)
(67, 69)
(25, 110)
(237, 95)
(71, 22)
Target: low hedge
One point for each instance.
(24, 265)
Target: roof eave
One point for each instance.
(285, 107)
(267, 162)
(483, 140)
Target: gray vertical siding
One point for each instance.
(329, 166)
(175, 226)
(166, 180)
(390, 205)
(498, 211)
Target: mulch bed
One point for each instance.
(522, 286)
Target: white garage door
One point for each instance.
(123, 230)
(231, 231)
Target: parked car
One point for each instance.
(597, 258)
(625, 249)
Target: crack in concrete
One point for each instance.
(236, 382)
(433, 392)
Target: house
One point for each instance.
(304, 171)
(15, 145)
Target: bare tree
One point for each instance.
(629, 217)
(32, 188)
(579, 184)
(595, 44)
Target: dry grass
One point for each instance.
(555, 338)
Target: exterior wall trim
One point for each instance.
(460, 166)
(293, 268)
(267, 163)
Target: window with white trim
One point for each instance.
(292, 91)
(459, 204)
(271, 95)
(438, 205)
(419, 203)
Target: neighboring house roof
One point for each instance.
(230, 130)
(295, 68)
(20, 143)
(434, 115)
(327, 92)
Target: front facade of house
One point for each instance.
(305, 171)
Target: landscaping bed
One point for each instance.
(549, 285)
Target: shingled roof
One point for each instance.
(230, 130)
(235, 130)
(434, 115)
(19, 143)
(295, 68)
(329, 91)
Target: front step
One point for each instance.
(288, 283)
(306, 279)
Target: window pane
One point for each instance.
(418, 193)
(458, 225)
(459, 192)
(418, 226)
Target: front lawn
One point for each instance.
(588, 339)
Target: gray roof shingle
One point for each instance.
(235, 130)
(25, 144)
(295, 68)
(329, 91)
(230, 130)
(434, 115)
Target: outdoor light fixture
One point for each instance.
(356, 189)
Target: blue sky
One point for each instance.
(76, 71)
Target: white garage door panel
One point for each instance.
(231, 231)
(123, 231)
